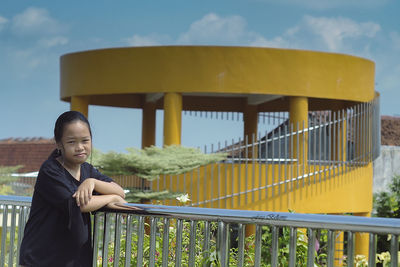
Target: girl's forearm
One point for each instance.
(97, 202)
(106, 188)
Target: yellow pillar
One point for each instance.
(172, 118)
(149, 124)
(362, 239)
(298, 114)
(81, 104)
(250, 115)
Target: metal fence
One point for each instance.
(188, 236)
(329, 145)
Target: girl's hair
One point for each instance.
(66, 118)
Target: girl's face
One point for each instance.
(76, 143)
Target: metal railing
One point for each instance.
(330, 145)
(187, 236)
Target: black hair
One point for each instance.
(66, 118)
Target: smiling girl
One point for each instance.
(58, 231)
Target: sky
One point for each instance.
(34, 34)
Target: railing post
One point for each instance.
(223, 243)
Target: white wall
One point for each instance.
(385, 167)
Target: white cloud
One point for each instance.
(335, 31)
(277, 42)
(148, 40)
(53, 41)
(3, 22)
(215, 29)
(33, 21)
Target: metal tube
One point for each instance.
(253, 165)
(274, 246)
(266, 165)
(178, 251)
(292, 246)
(350, 248)
(219, 179)
(279, 160)
(3, 235)
(257, 252)
(286, 153)
(319, 148)
(232, 174)
(239, 170)
(211, 179)
(259, 165)
(12, 235)
(334, 146)
(153, 229)
(140, 247)
(223, 243)
(205, 181)
(273, 162)
(206, 241)
(372, 250)
(330, 159)
(331, 248)
(198, 186)
(298, 153)
(106, 238)
(241, 248)
(21, 225)
(246, 143)
(311, 247)
(96, 226)
(128, 241)
(192, 243)
(117, 241)
(343, 140)
(291, 162)
(165, 243)
(394, 249)
(314, 131)
(226, 179)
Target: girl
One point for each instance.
(58, 231)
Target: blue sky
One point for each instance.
(34, 34)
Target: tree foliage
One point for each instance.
(151, 162)
(6, 178)
(387, 205)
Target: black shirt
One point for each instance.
(57, 232)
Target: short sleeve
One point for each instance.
(53, 185)
(94, 173)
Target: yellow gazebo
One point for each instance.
(251, 81)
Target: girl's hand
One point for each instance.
(84, 192)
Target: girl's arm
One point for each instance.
(84, 192)
(97, 202)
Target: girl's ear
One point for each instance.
(59, 146)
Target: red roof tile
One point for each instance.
(29, 152)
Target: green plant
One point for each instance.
(387, 205)
(6, 178)
(151, 162)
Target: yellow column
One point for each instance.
(250, 115)
(298, 113)
(172, 118)
(149, 124)
(81, 104)
(362, 239)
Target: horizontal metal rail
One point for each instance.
(157, 235)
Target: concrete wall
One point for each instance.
(385, 167)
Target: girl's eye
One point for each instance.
(70, 142)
